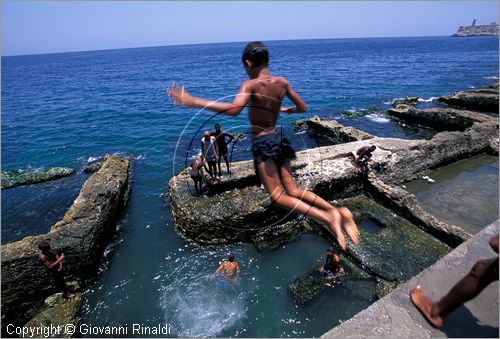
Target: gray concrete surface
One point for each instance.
(395, 316)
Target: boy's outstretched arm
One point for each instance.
(300, 105)
(182, 97)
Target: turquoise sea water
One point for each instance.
(66, 109)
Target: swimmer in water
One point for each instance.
(230, 267)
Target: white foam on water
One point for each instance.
(92, 159)
(492, 77)
(30, 169)
(377, 118)
(431, 99)
(395, 99)
(129, 156)
(201, 309)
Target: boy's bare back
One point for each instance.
(265, 102)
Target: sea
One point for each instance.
(69, 109)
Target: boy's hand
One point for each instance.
(291, 109)
(180, 96)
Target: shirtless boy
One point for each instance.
(263, 94)
(331, 267)
(229, 267)
(53, 261)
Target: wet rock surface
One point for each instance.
(81, 235)
(399, 250)
(17, 178)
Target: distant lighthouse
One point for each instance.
(474, 22)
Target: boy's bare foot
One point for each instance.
(334, 220)
(424, 304)
(349, 225)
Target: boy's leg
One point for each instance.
(218, 166)
(213, 168)
(227, 162)
(315, 200)
(482, 274)
(268, 174)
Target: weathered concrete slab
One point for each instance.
(394, 316)
(81, 235)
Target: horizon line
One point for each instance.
(221, 42)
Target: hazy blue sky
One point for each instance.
(57, 26)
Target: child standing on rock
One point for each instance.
(263, 93)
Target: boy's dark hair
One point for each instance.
(44, 245)
(257, 53)
(231, 257)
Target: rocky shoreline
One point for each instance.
(81, 235)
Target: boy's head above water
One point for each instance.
(255, 55)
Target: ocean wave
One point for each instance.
(377, 118)
(492, 77)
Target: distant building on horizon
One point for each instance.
(479, 30)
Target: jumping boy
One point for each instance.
(263, 93)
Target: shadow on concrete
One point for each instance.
(463, 324)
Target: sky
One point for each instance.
(34, 27)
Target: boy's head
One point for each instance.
(217, 127)
(44, 246)
(255, 53)
(231, 257)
